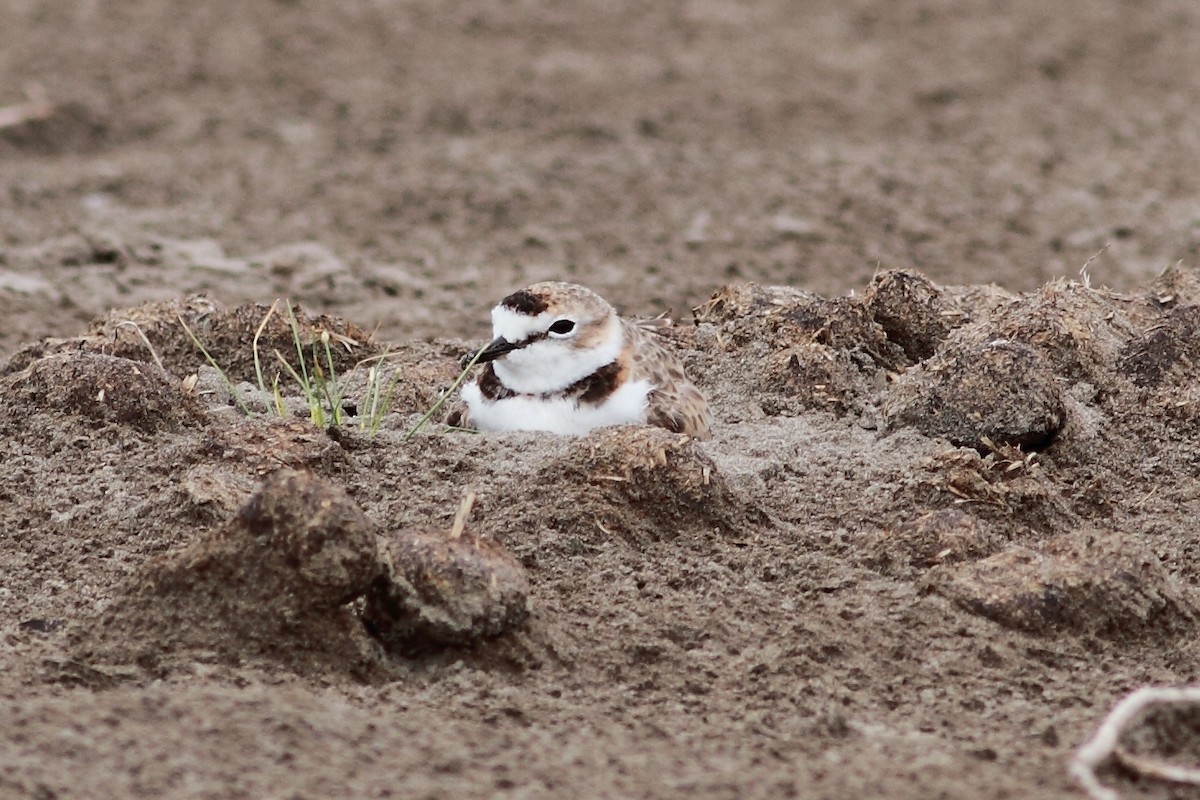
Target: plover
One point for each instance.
(563, 361)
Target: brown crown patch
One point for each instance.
(525, 302)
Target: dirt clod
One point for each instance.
(269, 587)
(156, 330)
(1079, 330)
(911, 311)
(1167, 353)
(973, 391)
(1102, 584)
(786, 317)
(101, 388)
(943, 536)
(815, 376)
(641, 484)
(441, 589)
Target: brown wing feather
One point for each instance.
(675, 402)
(458, 415)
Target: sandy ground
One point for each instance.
(948, 515)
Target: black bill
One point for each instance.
(496, 348)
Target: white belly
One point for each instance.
(625, 406)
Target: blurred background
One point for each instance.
(406, 163)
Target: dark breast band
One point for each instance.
(593, 389)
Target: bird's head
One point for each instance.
(551, 335)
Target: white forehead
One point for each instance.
(516, 327)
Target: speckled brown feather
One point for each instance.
(675, 402)
(459, 415)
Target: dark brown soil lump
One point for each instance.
(101, 388)
(226, 333)
(818, 377)
(974, 392)
(269, 587)
(785, 317)
(1080, 331)
(636, 483)
(261, 444)
(786, 351)
(445, 589)
(1177, 285)
(974, 302)
(1098, 583)
(1167, 353)
(411, 378)
(411, 375)
(240, 453)
(911, 311)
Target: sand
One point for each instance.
(948, 515)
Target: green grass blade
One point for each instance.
(295, 326)
(334, 395)
(262, 385)
(280, 408)
(315, 412)
(462, 376)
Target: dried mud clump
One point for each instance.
(1080, 331)
(911, 310)
(261, 445)
(793, 351)
(973, 393)
(155, 330)
(641, 483)
(1099, 584)
(812, 376)
(944, 536)
(1175, 286)
(1167, 353)
(445, 588)
(105, 389)
(121, 333)
(785, 317)
(1007, 488)
(413, 376)
(271, 586)
(228, 335)
(975, 301)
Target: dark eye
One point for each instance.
(562, 327)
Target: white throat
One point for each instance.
(625, 406)
(550, 365)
